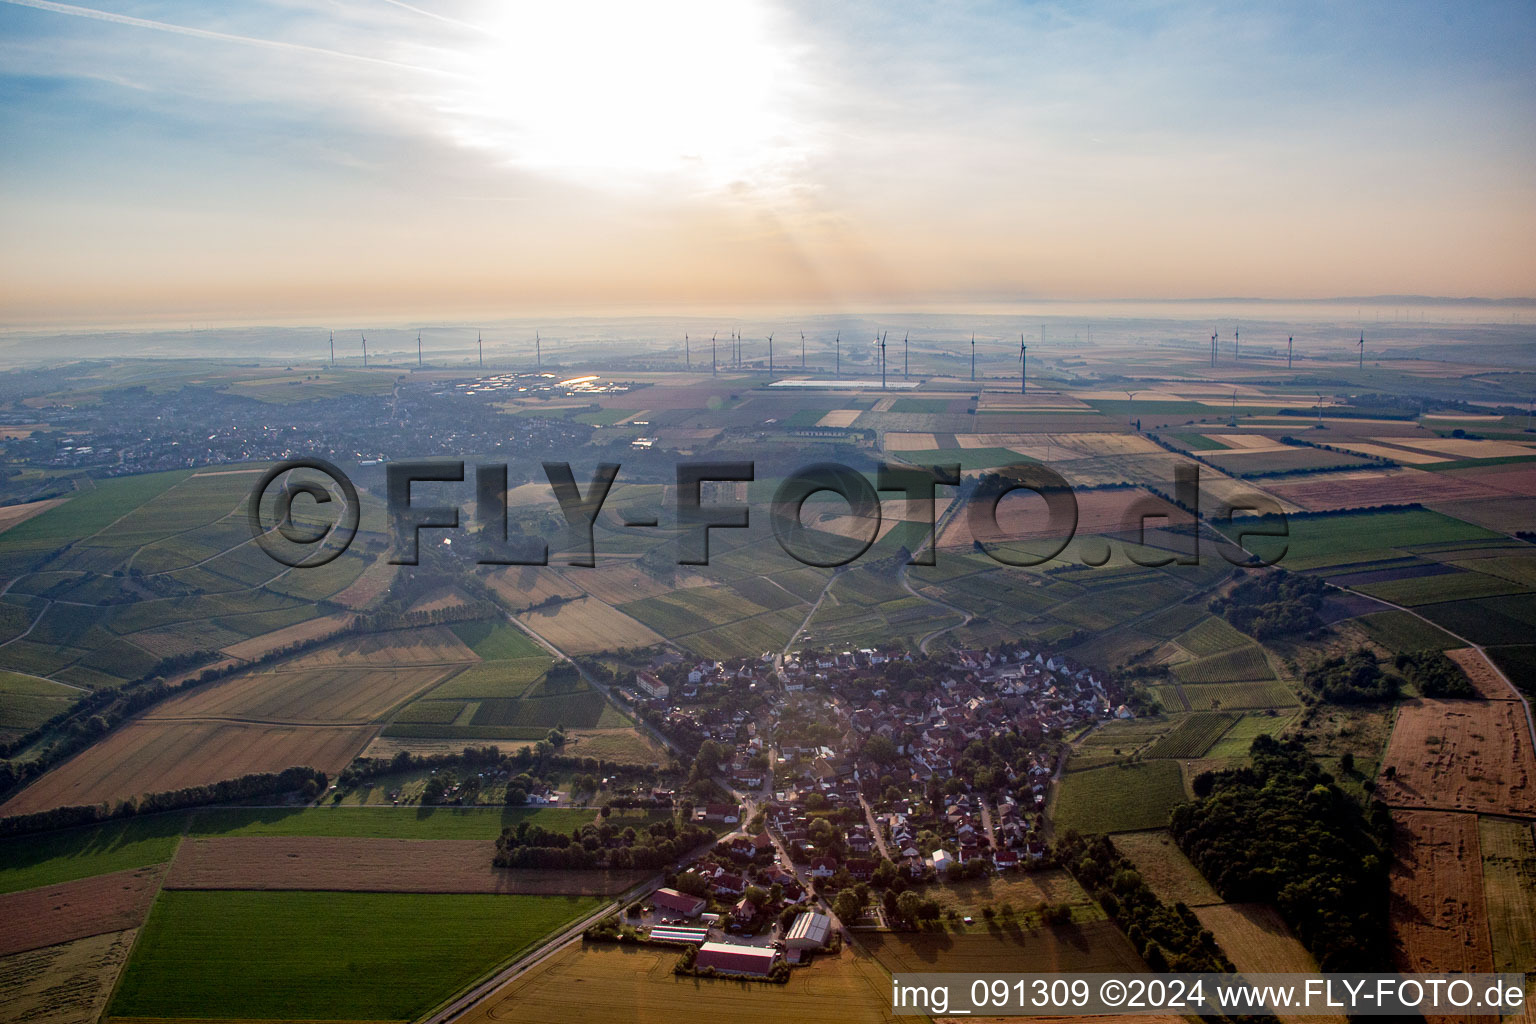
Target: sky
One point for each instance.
(279, 160)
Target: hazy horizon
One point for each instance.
(186, 162)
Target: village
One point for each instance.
(851, 782)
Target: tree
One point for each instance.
(880, 749)
(909, 906)
(847, 906)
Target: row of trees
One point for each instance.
(1168, 938)
(305, 782)
(1281, 832)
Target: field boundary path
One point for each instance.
(1530, 722)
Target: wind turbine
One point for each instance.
(714, 367)
(1213, 346)
(365, 349)
(1319, 410)
(1023, 363)
(838, 341)
(904, 363)
(538, 350)
(1362, 350)
(480, 346)
(1290, 348)
(1236, 335)
(687, 352)
(882, 362)
(973, 355)
(802, 350)
(418, 350)
(333, 348)
(770, 355)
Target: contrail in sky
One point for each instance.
(92, 14)
(438, 17)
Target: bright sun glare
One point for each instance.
(617, 93)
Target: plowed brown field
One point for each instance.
(1439, 919)
(1462, 755)
(35, 918)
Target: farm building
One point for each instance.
(678, 902)
(729, 958)
(671, 933)
(810, 931)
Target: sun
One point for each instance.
(627, 95)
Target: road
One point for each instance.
(874, 826)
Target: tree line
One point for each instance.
(602, 845)
(306, 782)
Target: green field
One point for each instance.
(323, 955)
(1269, 693)
(1236, 740)
(28, 701)
(1459, 586)
(1489, 620)
(30, 861)
(511, 677)
(1519, 664)
(1242, 664)
(1211, 636)
(380, 822)
(88, 512)
(497, 641)
(1193, 736)
(1402, 631)
(1119, 798)
(1372, 536)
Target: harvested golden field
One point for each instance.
(519, 587)
(587, 625)
(64, 984)
(1509, 883)
(431, 645)
(318, 696)
(587, 983)
(1461, 755)
(1165, 869)
(1482, 674)
(257, 646)
(372, 865)
(1256, 939)
(840, 418)
(1439, 918)
(1096, 946)
(152, 757)
(35, 918)
(618, 582)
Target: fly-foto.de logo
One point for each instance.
(303, 522)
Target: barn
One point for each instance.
(675, 902)
(729, 958)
